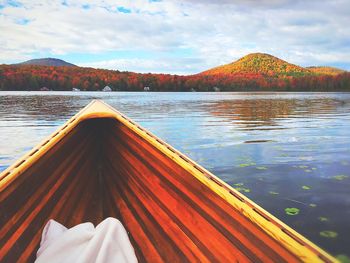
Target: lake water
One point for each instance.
(282, 150)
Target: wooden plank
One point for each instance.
(30, 222)
(32, 201)
(154, 158)
(143, 244)
(165, 221)
(29, 253)
(180, 213)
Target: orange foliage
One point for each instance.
(260, 63)
(26, 77)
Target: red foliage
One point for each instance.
(25, 77)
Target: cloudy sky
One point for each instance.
(174, 36)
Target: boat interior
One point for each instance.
(101, 169)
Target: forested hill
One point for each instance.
(262, 64)
(326, 70)
(255, 72)
(47, 62)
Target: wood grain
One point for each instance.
(103, 169)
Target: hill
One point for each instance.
(47, 62)
(326, 70)
(260, 63)
(34, 77)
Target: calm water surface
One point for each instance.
(282, 150)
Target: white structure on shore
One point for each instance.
(107, 88)
(146, 89)
(75, 89)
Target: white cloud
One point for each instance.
(303, 33)
(161, 65)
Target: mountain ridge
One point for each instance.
(47, 62)
(288, 78)
(326, 70)
(253, 63)
(268, 65)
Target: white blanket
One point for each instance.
(108, 242)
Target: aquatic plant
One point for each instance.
(247, 164)
(261, 168)
(277, 147)
(273, 193)
(292, 211)
(305, 187)
(328, 234)
(243, 189)
(343, 258)
(340, 177)
(323, 219)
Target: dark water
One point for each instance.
(282, 150)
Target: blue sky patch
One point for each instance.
(124, 10)
(77, 58)
(22, 21)
(13, 3)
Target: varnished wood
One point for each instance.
(102, 168)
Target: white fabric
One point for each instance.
(108, 242)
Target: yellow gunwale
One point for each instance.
(288, 237)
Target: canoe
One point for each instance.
(102, 164)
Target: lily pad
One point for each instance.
(238, 184)
(243, 189)
(340, 177)
(343, 258)
(312, 205)
(328, 234)
(292, 211)
(273, 193)
(278, 147)
(261, 168)
(306, 158)
(305, 187)
(246, 164)
(303, 166)
(308, 171)
(323, 219)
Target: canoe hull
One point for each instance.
(101, 164)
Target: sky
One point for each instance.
(174, 36)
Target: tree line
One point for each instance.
(33, 78)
